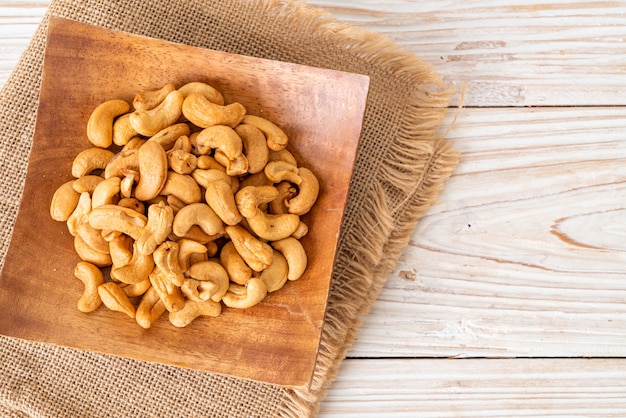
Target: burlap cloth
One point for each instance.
(401, 166)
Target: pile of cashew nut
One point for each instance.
(183, 203)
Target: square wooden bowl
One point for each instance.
(274, 342)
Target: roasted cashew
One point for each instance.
(170, 294)
(193, 310)
(237, 269)
(257, 254)
(182, 186)
(198, 291)
(309, 190)
(166, 260)
(282, 155)
(203, 113)
(186, 248)
(275, 276)
(206, 162)
(122, 131)
(135, 290)
(302, 230)
(221, 199)
(150, 122)
(64, 202)
(100, 123)
(86, 183)
(209, 92)
(89, 160)
(118, 218)
(199, 214)
(243, 297)
(152, 161)
(168, 136)
(92, 237)
(91, 277)
(276, 137)
(122, 163)
(150, 308)
(211, 271)
(285, 192)
(205, 177)
(132, 203)
(278, 171)
(149, 99)
(106, 193)
(86, 253)
(157, 229)
(182, 143)
(137, 270)
(258, 179)
(220, 137)
(254, 147)
(249, 198)
(175, 203)
(134, 143)
(121, 250)
(235, 167)
(196, 234)
(80, 212)
(273, 227)
(296, 257)
(182, 162)
(127, 184)
(115, 299)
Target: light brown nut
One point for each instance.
(91, 277)
(275, 276)
(79, 214)
(122, 131)
(257, 254)
(286, 191)
(193, 310)
(236, 167)
(276, 137)
(64, 202)
(205, 177)
(135, 290)
(182, 186)
(197, 290)
(182, 143)
(196, 234)
(124, 162)
(150, 308)
(92, 237)
(203, 113)
(170, 294)
(282, 155)
(254, 147)
(219, 196)
(309, 190)
(258, 179)
(166, 260)
(86, 183)
(149, 99)
(106, 193)
(273, 227)
(137, 270)
(100, 123)
(175, 203)
(243, 297)
(157, 229)
(134, 143)
(199, 214)
(153, 171)
(132, 203)
(88, 254)
(295, 254)
(220, 137)
(150, 122)
(182, 162)
(211, 271)
(89, 160)
(121, 250)
(237, 269)
(249, 198)
(209, 92)
(206, 162)
(115, 299)
(186, 248)
(278, 171)
(118, 218)
(168, 136)
(127, 184)
(302, 230)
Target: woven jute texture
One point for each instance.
(401, 166)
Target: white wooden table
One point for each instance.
(511, 298)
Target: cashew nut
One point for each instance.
(100, 123)
(128, 183)
(182, 186)
(244, 297)
(254, 146)
(166, 260)
(221, 199)
(209, 92)
(157, 229)
(118, 218)
(182, 162)
(64, 202)
(80, 212)
(132, 203)
(92, 237)
(170, 294)
(152, 170)
(237, 269)
(150, 122)
(167, 137)
(150, 308)
(278, 171)
(122, 163)
(309, 190)
(282, 155)
(115, 299)
(276, 137)
(285, 192)
(134, 143)
(121, 250)
(186, 248)
(249, 198)
(235, 167)
(275, 276)
(149, 99)
(257, 254)
(182, 143)
(211, 271)
(90, 160)
(302, 230)
(91, 277)
(273, 227)
(198, 291)
(193, 310)
(205, 177)
(86, 183)
(206, 162)
(122, 131)
(137, 270)
(220, 137)
(106, 193)
(199, 214)
(258, 179)
(136, 289)
(203, 113)
(86, 253)
(295, 254)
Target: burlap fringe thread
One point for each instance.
(376, 237)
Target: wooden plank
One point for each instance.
(532, 53)
(478, 388)
(524, 254)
